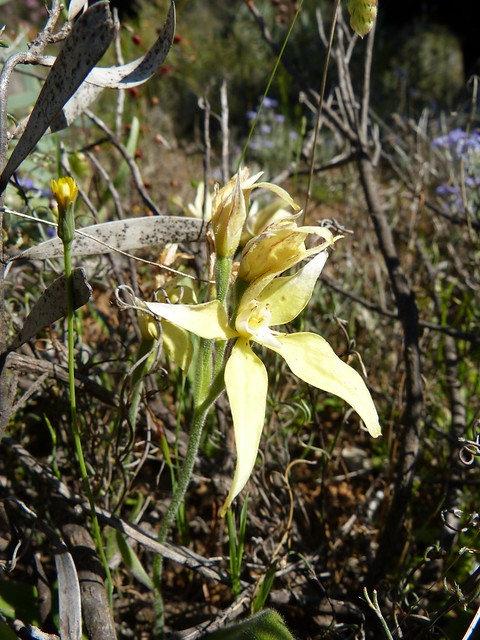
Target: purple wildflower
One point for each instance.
(270, 103)
(445, 190)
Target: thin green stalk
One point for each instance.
(223, 268)
(269, 84)
(65, 191)
(376, 608)
(76, 432)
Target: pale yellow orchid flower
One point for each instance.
(308, 355)
(280, 246)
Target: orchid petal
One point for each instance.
(246, 382)
(286, 297)
(281, 193)
(177, 344)
(312, 359)
(207, 320)
(247, 183)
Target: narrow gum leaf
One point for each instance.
(312, 359)
(246, 382)
(288, 296)
(75, 7)
(124, 235)
(207, 320)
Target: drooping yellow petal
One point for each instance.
(288, 296)
(177, 344)
(276, 249)
(281, 193)
(207, 320)
(246, 382)
(312, 359)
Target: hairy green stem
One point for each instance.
(206, 392)
(223, 268)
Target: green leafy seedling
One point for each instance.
(236, 546)
(267, 625)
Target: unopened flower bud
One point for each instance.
(228, 217)
(362, 15)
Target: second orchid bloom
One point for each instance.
(263, 299)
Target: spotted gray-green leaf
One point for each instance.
(124, 76)
(52, 305)
(90, 37)
(69, 603)
(123, 235)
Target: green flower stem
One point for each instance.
(223, 268)
(73, 411)
(206, 392)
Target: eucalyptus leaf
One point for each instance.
(123, 235)
(124, 76)
(52, 305)
(138, 71)
(90, 37)
(69, 602)
(75, 7)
